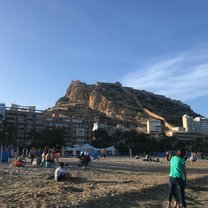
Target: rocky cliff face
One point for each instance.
(113, 103)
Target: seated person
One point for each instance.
(156, 160)
(18, 162)
(147, 158)
(61, 172)
(84, 158)
(137, 157)
(193, 157)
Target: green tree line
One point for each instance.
(144, 143)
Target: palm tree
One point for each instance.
(10, 134)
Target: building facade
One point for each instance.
(201, 125)
(22, 121)
(25, 120)
(193, 128)
(154, 126)
(81, 131)
(188, 123)
(2, 114)
(198, 124)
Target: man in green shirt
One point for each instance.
(177, 179)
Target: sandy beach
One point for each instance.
(117, 182)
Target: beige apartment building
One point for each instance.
(76, 130)
(81, 131)
(24, 120)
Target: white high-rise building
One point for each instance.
(204, 125)
(188, 123)
(201, 125)
(154, 126)
(198, 125)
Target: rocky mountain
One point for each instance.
(113, 103)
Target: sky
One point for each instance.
(158, 46)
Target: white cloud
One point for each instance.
(183, 77)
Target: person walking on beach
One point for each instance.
(43, 158)
(31, 154)
(104, 154)
(177, 179)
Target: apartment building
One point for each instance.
(2, 114)
(154, 126)
(191, 130)
(24, 120)
(188, 123)
(59, 122)
(81, 131)
(198, 124)
(76, 130)
(201, 125)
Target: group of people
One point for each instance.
(46, 157)
(177, 175)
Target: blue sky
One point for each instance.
(159, 46)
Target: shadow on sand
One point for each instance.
(153, 197)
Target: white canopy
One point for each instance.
(111, 148)
(88, 147)
(69, 148)
(85, 147)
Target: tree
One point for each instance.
(165, 143)
(205, 145)
(116, 137)
(9, 134)
(34, 138)
(131, 139)
(139, 142)
(50, 138)
(101, 138)
(199, 144)
(173, 142)
(2, 137)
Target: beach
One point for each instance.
(118, 182)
